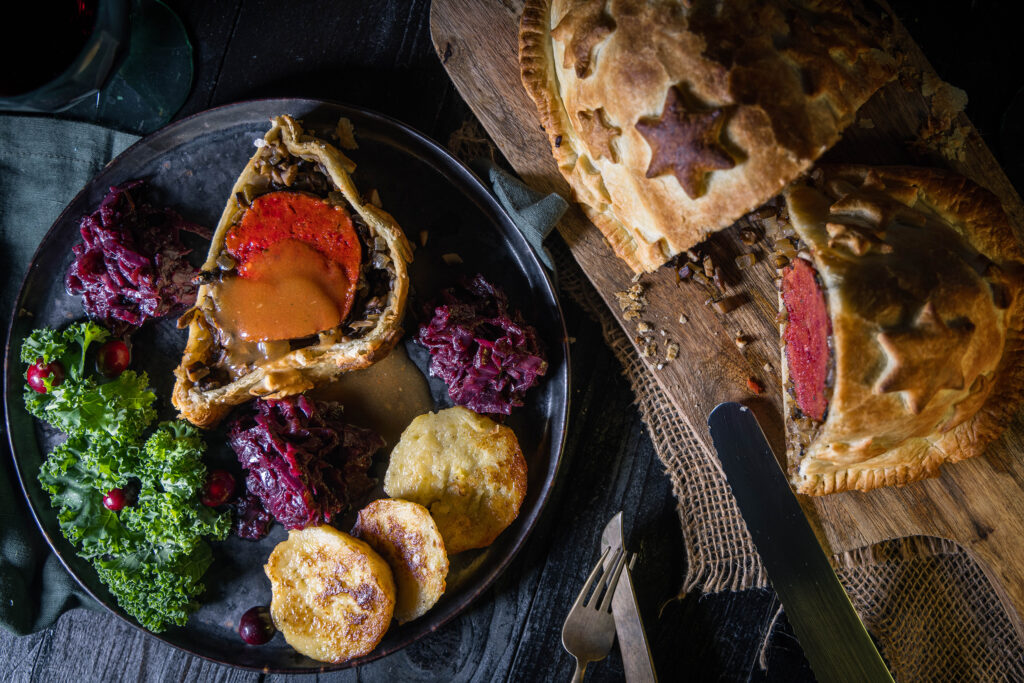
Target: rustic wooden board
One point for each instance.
(978, 503)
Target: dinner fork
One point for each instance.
(589, 630)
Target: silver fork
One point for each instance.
(589, 630)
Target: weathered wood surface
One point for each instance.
(979, 503)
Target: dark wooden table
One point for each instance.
(378, 55)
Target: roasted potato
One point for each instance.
(466, 469)
(333, 595)
(406, 536)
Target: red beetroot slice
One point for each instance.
(284, 215)
(806, 337)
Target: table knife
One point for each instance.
(832, 636)
(636, 655)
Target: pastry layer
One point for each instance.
(672, 120)
(923, 278)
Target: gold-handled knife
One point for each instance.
(636, 655)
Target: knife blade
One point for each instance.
(832, 636)
(629, 627)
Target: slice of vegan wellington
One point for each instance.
(304, 280)
(902, 326)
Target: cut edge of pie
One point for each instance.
(927, 372)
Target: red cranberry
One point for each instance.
(39, 371)
(219, 488)
(113, 358)
(115, 499)
(256, 627)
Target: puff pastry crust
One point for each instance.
(924, 283)
(278, 369)
(670, 120)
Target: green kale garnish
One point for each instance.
(45, 343)
(152, 553)
(121, 408)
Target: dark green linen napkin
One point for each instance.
(43, 165)
(533, 213)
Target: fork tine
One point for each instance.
(620, 562)
(607, 566)
(581, 599)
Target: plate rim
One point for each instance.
(480, 193)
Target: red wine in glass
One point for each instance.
(73, 58)
(66, 25)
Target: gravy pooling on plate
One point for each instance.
(384, 397)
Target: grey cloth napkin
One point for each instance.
(533, 213)
(43, 165)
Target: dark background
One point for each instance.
(379, 55)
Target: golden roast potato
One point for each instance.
(406, 536)
(466, 469)
(333, 595)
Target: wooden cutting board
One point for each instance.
(978, 503)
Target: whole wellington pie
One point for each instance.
(902, 325)
(670, 120)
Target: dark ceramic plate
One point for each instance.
(191, 166)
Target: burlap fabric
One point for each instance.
(926, 601)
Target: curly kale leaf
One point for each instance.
(120, 409)
(84, 333)
(173, 459)
(168, 511)
(157, 591)
(77, 474)
(151, 554)
(69, 347)
(44, 343)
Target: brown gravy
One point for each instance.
(291, 291)
(384, 397)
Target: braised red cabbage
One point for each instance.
(304, 463)
(252, 521)
(131, 264)
(486, 354)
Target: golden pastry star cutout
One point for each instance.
(855, 238)
(598, 133)
(580, 30)
(687, 143)
(819, 47)
(924, 359)
(874, 207)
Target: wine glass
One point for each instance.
(122, 63)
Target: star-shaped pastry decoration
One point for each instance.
(968, 407)
(924, 359)
(580, 30)
(687, 143)
(820, 47)
(598, 133)
(857, 239)
(876, 208)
